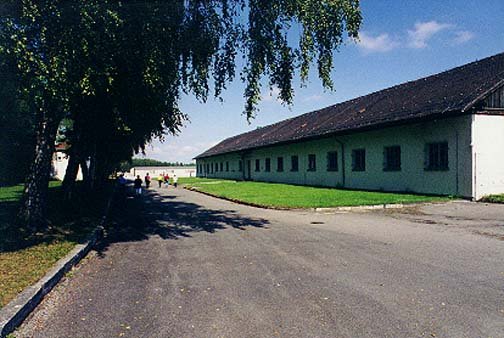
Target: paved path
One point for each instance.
(182, 264)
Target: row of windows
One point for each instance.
(436, 159)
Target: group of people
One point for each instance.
(137, 183)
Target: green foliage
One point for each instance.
(17, 135)
(117, 69)
(493, 198)
(147, 162)
(292, 196)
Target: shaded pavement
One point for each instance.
(181, 264)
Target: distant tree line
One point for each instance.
(148, 162)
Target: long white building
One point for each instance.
(443, 134)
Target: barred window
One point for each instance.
(436, 156)
(312, 162)
(294, 163)
(267, 165)
(332, 161)
(359, 160)
(280, 166)
(392, 158)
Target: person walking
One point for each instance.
(160, 180)
(137, 184)
(166, 180)
(175, 180)
(147, 181)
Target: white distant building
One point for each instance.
(180, 171)
(60, 163)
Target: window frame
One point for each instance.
(392, 164)
(359, 167)
(280, 164)
(267, 164)
(441, 146)
(296, 167)
(257, 165)
(312, 162)
(332, 166)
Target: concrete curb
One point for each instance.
(13, 314)
(330, 209)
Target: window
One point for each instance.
(312, 162)
(221, 166)
(332, 161)
(436, 156)
(359, 160)
(280, 164)
(227, 166)
(294, 163)
(267, 165)
(257, 165)
(207, 168)
(240, 165)
(216, 167)
(392, 158)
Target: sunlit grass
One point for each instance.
(278, 195)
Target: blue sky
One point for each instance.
(399, 41)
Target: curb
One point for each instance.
(13, 314)
(328, 209)
(16, 311)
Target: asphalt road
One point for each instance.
(181, 264)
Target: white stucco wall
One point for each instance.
(155, 171)
(488, 154)
(412, 177)
(59, 166)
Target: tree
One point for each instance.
(118, 69)
(16, 132)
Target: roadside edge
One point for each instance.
(13, 314)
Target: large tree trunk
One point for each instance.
(71, 173)
(32, 213)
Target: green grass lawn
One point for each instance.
(24, 259)
(291, 196)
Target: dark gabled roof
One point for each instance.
(452, 92)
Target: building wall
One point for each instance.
(59, 166)
(488, 155)
(412, 176)
(155, 171)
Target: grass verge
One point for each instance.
(24, 259)
(499, 198)
(276, 195)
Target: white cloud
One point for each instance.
(312, 98)
(462, 37)
(423, 31)
(376, 44)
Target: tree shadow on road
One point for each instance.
(136, 219)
